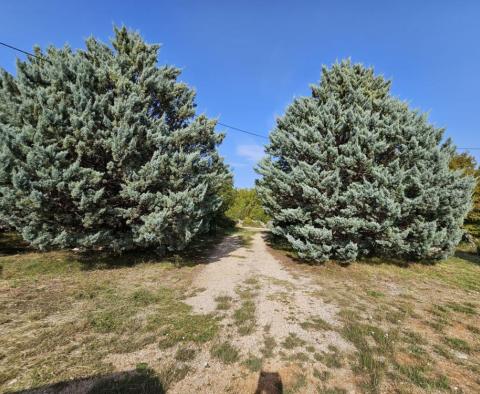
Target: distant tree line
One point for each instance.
(245, 206)
(469, 167)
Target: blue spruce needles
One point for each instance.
(352, 172)
(101, 148)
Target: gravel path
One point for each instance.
(284, 302)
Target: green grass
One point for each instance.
(368, 362)
(317, 324)
(457, 344)
(331, 359)
(253, 364)
(269, 345)
(143, 297)
(417, 375)
(375, 294)
(185, 354)
(292, 341)
(244, 316)
(323, 375)
(466, 308)
(64, 313)
(246, 237)
(223, 302)
(300, 381)
(225, 352)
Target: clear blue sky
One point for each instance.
(248, 59)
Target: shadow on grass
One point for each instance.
(12, 243)
(204, 249)
(468, 256)
(136, 381)
(280, 248)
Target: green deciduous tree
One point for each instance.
(352, 171)
(101, 148)
(468, 165)
(246, 205)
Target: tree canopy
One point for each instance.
(101, 147)
(352, 172)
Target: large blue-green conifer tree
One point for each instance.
(101, 148)
(352, 172)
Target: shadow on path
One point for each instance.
(269, 383)
(141, 382)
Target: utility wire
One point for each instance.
(219, 123)
(25, 52)
(242, 131)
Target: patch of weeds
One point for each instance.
(367, 362)
(323, 376)
(185, 354)
(254, 364)
(244, 317)
(317, 324)
(442, 318)
(110, 320)
(299, 383)
(281, 283)
(473, 329)
(178, 324)
(417, 351)
(246, 237)
(310, 349)
(439, 310)
(349, 315)
(467, 307)
(442, 351)
(437, 325)
(413, 338)
(143, 297)
(280, 296)
(457, 344)
(330, 359)
(375, 294)
(300, 357)
(395, 317)
(251, 281)
(269, 344)
(416, 375)
(172, 373)
(223, 302)
(292, 341)
(225, 352)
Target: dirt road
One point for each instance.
(272, 316)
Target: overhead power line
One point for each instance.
(25, 52)
(219, 123)
(243, 131)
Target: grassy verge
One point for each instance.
(63, 315)
(413, 328)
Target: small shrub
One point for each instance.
(225, 352)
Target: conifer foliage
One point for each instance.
(352, 171)
(102, 148)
